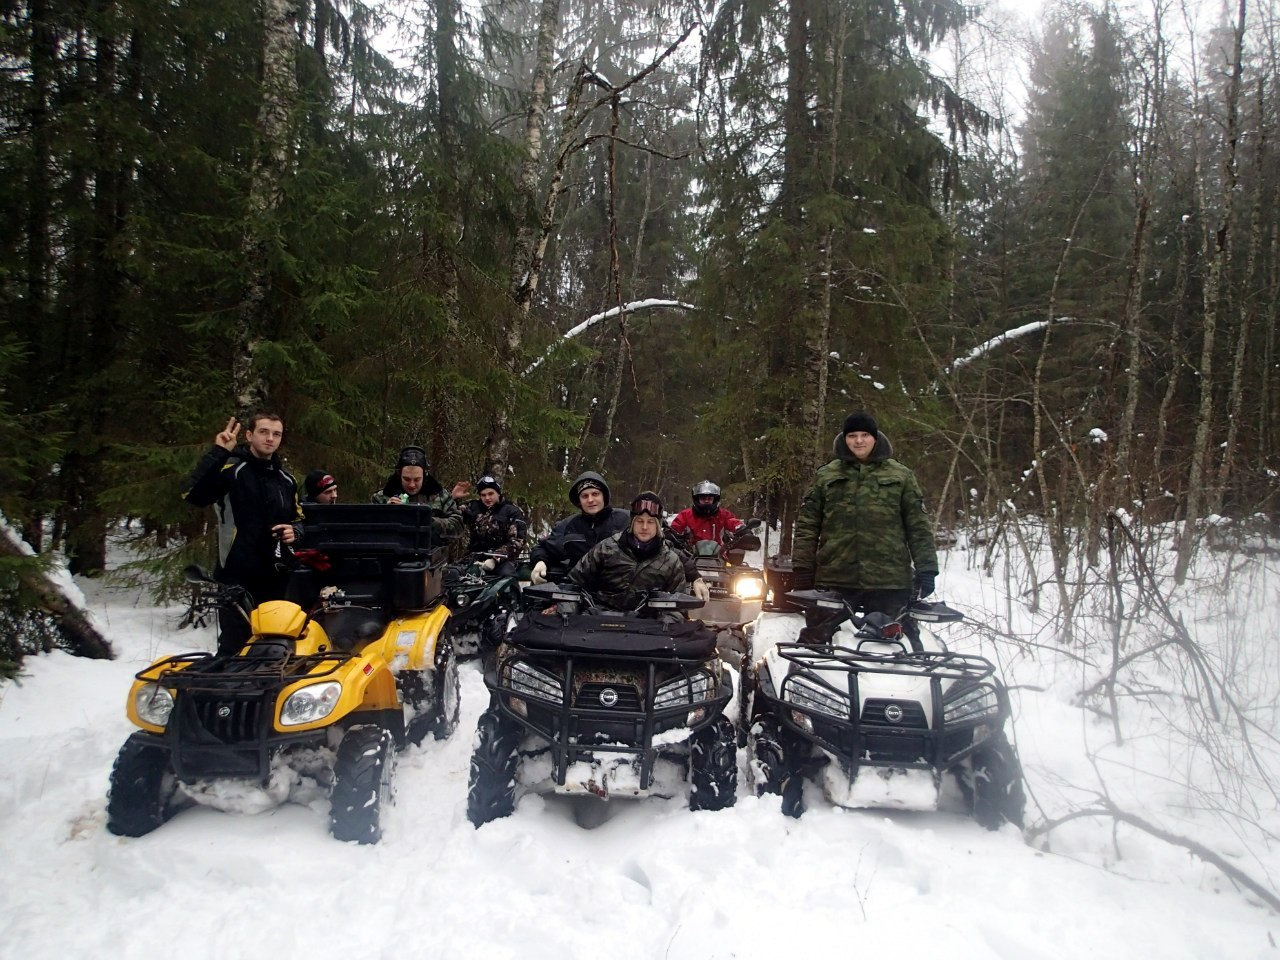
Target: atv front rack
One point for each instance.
(942, 664)
(207, 672)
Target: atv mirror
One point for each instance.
(574, 548)
(193, 574)
(750, 524)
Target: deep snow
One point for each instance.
(567, 879)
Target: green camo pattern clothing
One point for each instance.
(446, 518)
(863, 526)
(618, 580)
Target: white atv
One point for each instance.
(875, 716)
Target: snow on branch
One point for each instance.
(1002, 338)
(633, 307)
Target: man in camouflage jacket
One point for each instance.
(862, 528)
(619, 571)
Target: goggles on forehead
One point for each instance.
(643, 505)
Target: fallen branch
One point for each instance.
(1109, 809)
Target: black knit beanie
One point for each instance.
(861, 422)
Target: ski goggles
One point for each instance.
(644, 505)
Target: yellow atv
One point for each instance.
(331, 682)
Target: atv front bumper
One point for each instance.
(604, 738)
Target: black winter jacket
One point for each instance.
(593, 529)
(250, 496)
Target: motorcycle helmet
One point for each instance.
(703, 507)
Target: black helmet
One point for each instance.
(706, 489)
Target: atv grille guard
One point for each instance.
(869, 733)
(567, 723)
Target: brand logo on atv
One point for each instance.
(608, 697)
(224, 711)
(893, 713)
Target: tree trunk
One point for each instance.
(266, 189)
(1216, 246)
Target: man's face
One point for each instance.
(489, 496)
(644, 527)
(860, 443)
(328, 496)
(591, 501)
(704, 501)
(265, 437)
(411, 479)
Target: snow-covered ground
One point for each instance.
(567, 879)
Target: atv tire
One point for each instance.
(491, 791)
(713, 766)
(774, 769)
(362, 784)
(143, 786)
(995, 784)
(434, 698)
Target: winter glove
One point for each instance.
(801, 579)
(489, 565)
(924, 584)
(539, 573)
(701, 590)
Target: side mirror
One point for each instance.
(193, 574)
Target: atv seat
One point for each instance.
(350, 628)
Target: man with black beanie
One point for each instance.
(862, 528)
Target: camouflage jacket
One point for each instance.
(618, 580)
(500, 529)
(863, 526)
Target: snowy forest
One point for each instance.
(1054, 286)
(666, 241)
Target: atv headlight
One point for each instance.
(976, 701)
(748, 588)
(526, 678)
(153, 703)
(691, 689)
(310, 704)
(804, 692)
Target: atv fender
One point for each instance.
(409, 643)
(367, 685)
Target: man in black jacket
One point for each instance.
(581, 531)
(256, 501)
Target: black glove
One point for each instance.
(924, 584)
(801, 579)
